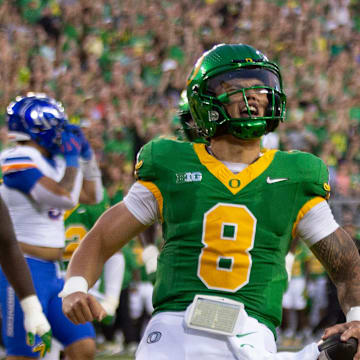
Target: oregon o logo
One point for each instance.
(234, 183)
(153, 337)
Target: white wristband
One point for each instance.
(90, 168)
(353, 314)
(30, 303)
(74, 284)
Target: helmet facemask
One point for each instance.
(247, 102)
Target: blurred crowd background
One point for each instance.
(119, 67)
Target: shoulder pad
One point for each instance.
(311, 171)
(154, 156)
(20, 151)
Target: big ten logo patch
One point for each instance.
(188, 177)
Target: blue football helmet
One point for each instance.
(37, 117)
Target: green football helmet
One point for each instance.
(215, 82)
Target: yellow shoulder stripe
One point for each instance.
(156, 192)
(70, 211)
(306, 207)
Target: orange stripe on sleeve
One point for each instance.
(16, 167)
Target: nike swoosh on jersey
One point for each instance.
(272, 181)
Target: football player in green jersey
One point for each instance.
(229, 212)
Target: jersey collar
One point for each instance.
(234, 182)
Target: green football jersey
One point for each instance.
(78, 221)
(227, 234)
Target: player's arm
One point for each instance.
(111, 232)
(11, 258)
(92, 189)
(82, 178)
(62, 195)
(338, 254)
(42, 189)
(114, 229)
(91, 192)
(17, 272)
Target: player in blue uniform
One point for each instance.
(45, 173)
(18, 274)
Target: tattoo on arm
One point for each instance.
(339, 256)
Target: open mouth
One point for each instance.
(254, 111)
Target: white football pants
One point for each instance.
(168, 338)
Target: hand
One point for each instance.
(80, 308)
(70, 147)
(85, 151)
(35, 323)
(71, 141)
(347, 330)
(45, 345)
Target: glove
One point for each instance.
(85, 151)
(335, 349)
(35, 323)
(70, 147)
(149, 257)
(110, 304)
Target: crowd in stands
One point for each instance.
(119, 68)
